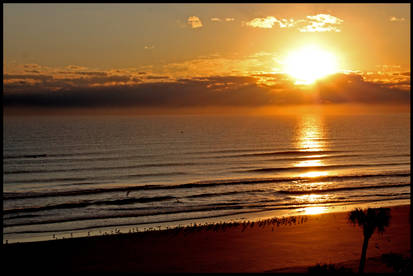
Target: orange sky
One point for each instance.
(201, 55)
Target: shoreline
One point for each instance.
(237, 217)
(273, 246)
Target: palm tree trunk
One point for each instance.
(363, 254)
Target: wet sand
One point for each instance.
(288, 247)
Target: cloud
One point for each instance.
(85, 73)
(42, 77)
(396, 19)
(322, 23)
(286, 23)
(326, 19)
(219, 91)
(227, 19)
(217, 81)
(388, 77)
(316, 23)
(64, 80)
(32, 66)
(76, 67)
(150, 77)
(32, 71)
(352, 88)
(264, 23)
(148, 47)
(195, 22)
(185, 92)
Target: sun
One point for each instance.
(309, 64)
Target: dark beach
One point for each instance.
(292, 246)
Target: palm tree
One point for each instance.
(370, 219)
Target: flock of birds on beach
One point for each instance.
(219, 226)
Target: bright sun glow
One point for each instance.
(310, 63)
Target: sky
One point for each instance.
(136, 57)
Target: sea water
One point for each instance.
(66, 176)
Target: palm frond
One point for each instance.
(370, 219)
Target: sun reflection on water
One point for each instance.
(311, 137)
(314, 174)
(308, 163)
(314, 210)
(313, 198)
(311, 133)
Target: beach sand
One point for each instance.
(325, 239)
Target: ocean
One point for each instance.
(72, 176)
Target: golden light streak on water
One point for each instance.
(309, 163)
(311, 133)
(311, 137)
(314, 210)
(314, 174)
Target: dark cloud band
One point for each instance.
(197, 92)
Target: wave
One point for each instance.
(86, 153)
(134, 224)
(83, 153)
(199, 184)
(24, 156)
(104, 168)
(184, 164)
(386, 195)
(117, 151)
(97, 155)
(321, 156)
(225, 193)
(57, 158)
(139, 212)
(19, 216)
(86, 203)
(97, 178)
(86, 159)
(151, 212)
(319, 191)
(127, 201)
(328, 167)
(275, 153)
(245, 152)
(225, 151)
(124, 201)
